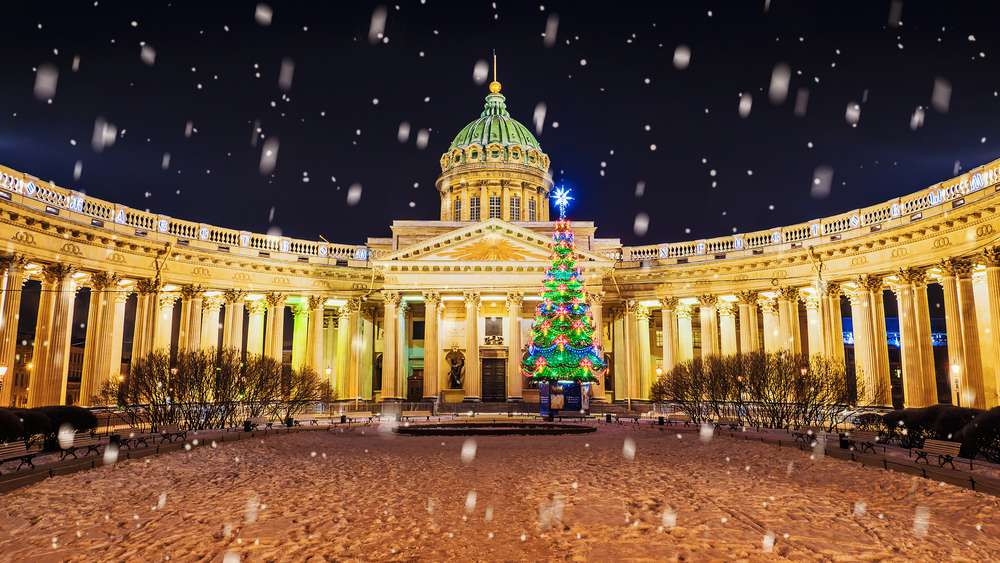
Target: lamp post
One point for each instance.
(955, 377)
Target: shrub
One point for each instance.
(11, 427)
(950, 421)
(982, 435)
(871, 421)
(36, 424)
(77, 417)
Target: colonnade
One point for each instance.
(772, 320)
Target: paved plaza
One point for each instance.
(622, 494)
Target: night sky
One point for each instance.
(217, 67)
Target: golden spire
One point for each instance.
(495, 86)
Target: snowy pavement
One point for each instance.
(622, 494)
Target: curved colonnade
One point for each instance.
(381, 317)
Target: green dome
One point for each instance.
(495, 126)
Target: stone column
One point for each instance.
(685, 337)
(881, 336)
(145, 318)
(232, 326)
(709, 325)
(403, 346)
(274, 334)
(836, 329)
(165, 320)
(770, 309)
(210, 321)
(432, 345)
(192, 299)
(13, 265)
(668, 306)
(390, 346)
(909, 347)
(919, 351)
(925, 339)
(814, 320)
(356, 348)
(255, 330)
(643, 372)
(953, 322)
(596, 300)
(300, 335)
(118, 334)
(100, 329)
(973, 386)
(727, 327)
(344, 352)
(515, 299)
(748, 320)
(473, 380)
(315, 342)
(630, 378)
(54, 319)
(990, 258)
(366, 349)
(788, 319)
(876, 387)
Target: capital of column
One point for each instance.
(431, 299)
(275, 299)
(192, 291)
(256, 307)
(615, 313)
(515, 299)
(811, 300)
(708, 300)
(683, 311)
(788, 293)
(957, 267)
(668, 303)
(868, 282)
(122, 296)
(747, 297)
(392, 298)
(768, 305)
(833, 289)
(405, 309)
(595, 297)
(300, 310)
(12, 262)
(857, 294)
(727, 308)
(233, 296)
(168, 298)
(101, 280)
(317, 302)
(990, 257)
(56, 272)
(641, 312)
(146, 286)
(368, 313)
(472, 297)
(911, 276)
(213, 303)
(331, 318)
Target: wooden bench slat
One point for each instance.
(946, 451)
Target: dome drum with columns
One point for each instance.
(444, 306)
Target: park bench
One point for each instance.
(83, 442)
(633, 416)
(257, 421)
(676, 417)
(416, 414)
(168, 432)
(946, 451)
(731, 423)
(355, 416)
(310, 418)
(862, 441)
(14, 451)
(806, 433)
(132, 437)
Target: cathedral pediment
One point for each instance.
(488, 241)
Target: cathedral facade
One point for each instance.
(443, 307)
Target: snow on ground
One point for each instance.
(380, 497)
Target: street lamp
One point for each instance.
(955, 377)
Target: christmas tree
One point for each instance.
(564, 345)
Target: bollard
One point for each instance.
(660, 420)
(343, 418)
(607, 417)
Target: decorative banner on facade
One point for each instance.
(563, 397)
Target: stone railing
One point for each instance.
(974, 185)
(31, 192)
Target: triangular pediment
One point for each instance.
(487, 241)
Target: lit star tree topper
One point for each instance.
(564, 344)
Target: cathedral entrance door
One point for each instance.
(415, 386)
(494, 380)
